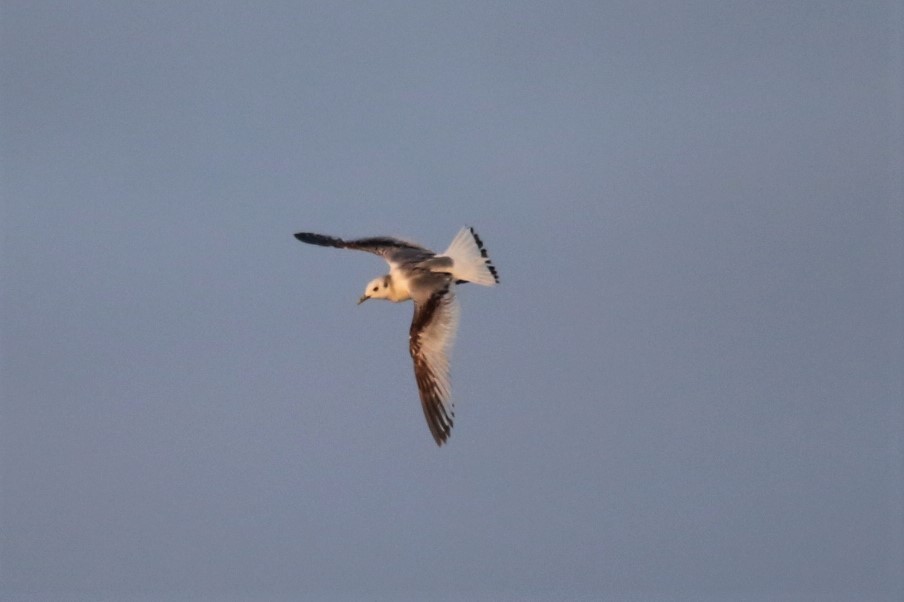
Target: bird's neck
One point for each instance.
(398, 288)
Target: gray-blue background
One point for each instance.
(687, 387)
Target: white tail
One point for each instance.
(469, 259)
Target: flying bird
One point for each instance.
(429, 280)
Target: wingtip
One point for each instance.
(319, 239)
(441, 437)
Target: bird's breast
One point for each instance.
(399, 286)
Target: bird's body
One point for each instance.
(429, 280)
(399, 285)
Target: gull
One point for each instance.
(429, 280)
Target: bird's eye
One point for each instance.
(375, 289)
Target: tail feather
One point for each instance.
(470, 262)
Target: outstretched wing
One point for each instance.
(430, 341)
(385, 246)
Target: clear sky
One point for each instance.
(687, 387)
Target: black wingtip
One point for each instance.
(319, 239)
(311, 238)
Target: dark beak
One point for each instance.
(363, 299)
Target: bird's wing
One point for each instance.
(390, 249)
(430, 341)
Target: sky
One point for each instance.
(687, 386)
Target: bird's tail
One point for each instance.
(469, 259)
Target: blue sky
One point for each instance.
(687, 387)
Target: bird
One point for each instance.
(427, 279)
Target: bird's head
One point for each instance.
(378, 288)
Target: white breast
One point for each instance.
(398, 286)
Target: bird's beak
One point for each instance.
(363, 299)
